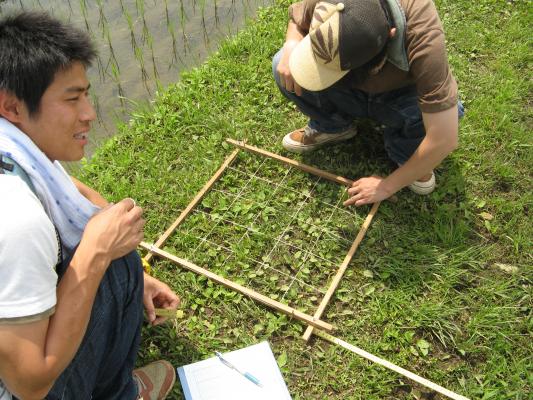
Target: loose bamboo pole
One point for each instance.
(239, 288)
(194, 202)
(427, 383)
(340, 272)
(304, 167)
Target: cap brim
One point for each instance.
(307, 72)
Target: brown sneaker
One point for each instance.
(155, 380)
(307, 139)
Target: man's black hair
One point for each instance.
(33, 47)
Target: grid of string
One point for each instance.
(255, 261)
(280, 236)
(256, 217)
(309, 252)
(336, 207)
(248, 229)
(229, 194)
(279, 239)
(236, 198)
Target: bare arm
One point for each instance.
(293, 36)
(441, 139)
(90, 194)
(34, 355)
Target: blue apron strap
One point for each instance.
(8, 166)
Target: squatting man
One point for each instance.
(384, 60)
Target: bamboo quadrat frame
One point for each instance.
(314, 322)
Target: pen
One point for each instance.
(247, 375)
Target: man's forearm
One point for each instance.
(441, 139)
(428, 155)
(54, 342)
(294, 33)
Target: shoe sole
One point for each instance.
(299, 148)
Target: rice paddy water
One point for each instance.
(143, 45)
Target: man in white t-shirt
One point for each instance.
(72, 287)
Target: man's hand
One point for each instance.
(157, 294)
(116, 230)
(367, 190)
(292, 38)
(285, 76)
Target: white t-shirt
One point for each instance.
(28, 255)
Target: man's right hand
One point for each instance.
(116, 230)
(284, 72)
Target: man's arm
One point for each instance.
(441, 139)
(34, 355)
(293, 36)
(89, 193)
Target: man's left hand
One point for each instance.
(157, 294)
(367, 190)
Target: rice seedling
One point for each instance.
(144, 75)
(183, 22)
(115, 73)
(84, 13)
(204, 27)
(102, 20)
(154, 63)
(215, 12)
(139, 5)
(129, 21)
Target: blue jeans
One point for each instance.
(334, 109)
(102, 367)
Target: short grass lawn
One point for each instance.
(441, 285)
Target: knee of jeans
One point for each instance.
(275, 62)
(401, 143)
(133, 260)
(460, 109)
(127, 272)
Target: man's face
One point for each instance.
(60, 127)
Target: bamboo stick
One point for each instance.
(194, 202)
(239, 288)
(427, 383)
(340, 272)
(304, 167)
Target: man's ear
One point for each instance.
(11, 108)
(392, 33)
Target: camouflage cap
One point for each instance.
(343, 35)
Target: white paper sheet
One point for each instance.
(212, 380)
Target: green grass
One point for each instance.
(441, 285)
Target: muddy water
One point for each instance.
(143, 45)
